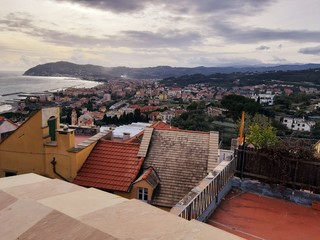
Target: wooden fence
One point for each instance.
(278, 169)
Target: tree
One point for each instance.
(259, 131)
(315, 130)
(262, 137)
(237, 103)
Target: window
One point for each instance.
(143, 194)
(9, 174)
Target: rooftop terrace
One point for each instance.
(254, 216)
(35, 207)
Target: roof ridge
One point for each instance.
(183, 130)
(120, 143)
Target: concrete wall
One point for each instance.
(214, 204)
(275, 191)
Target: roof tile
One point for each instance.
(180, 158)
(110, 166)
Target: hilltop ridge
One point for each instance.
(95, 72)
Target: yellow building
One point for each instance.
(163, 96)
(40, 146)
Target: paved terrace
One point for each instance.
(253, 216)
(35, 207)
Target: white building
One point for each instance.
(264, 98)
(167, 116)
(298, 124)
(125, 132)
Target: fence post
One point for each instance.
(242, 157)
(295, 174)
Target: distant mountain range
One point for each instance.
(94, 72)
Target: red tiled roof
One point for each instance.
(154, 114)
(147, 173)
(110, 166)
(149, 108)
(159, 125)
(135, 106)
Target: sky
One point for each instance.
(146, 33)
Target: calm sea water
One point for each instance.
(14, 82)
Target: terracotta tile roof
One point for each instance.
(110, 166)
(162, 125)
(181, 159)
(150, 176)
(149, 108)
(154, 114)
(134, 106)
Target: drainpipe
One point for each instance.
(54, 162)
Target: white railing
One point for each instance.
(193, 205)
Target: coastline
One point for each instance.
(11, 86)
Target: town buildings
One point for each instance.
(264, 98)
(298, 124)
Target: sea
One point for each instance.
(14, 83)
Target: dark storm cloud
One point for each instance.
(242, 34)
(182, 6)
(262, 48)
(134, 39)
(137, 39)
(310, 50)
(236, 7)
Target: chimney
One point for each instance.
(213, 158)
(126, 136)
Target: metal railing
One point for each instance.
(193, 205)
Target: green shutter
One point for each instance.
(52, 128)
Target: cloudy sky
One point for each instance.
(140, 33)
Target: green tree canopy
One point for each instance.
(259, 131)
(237, 103)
